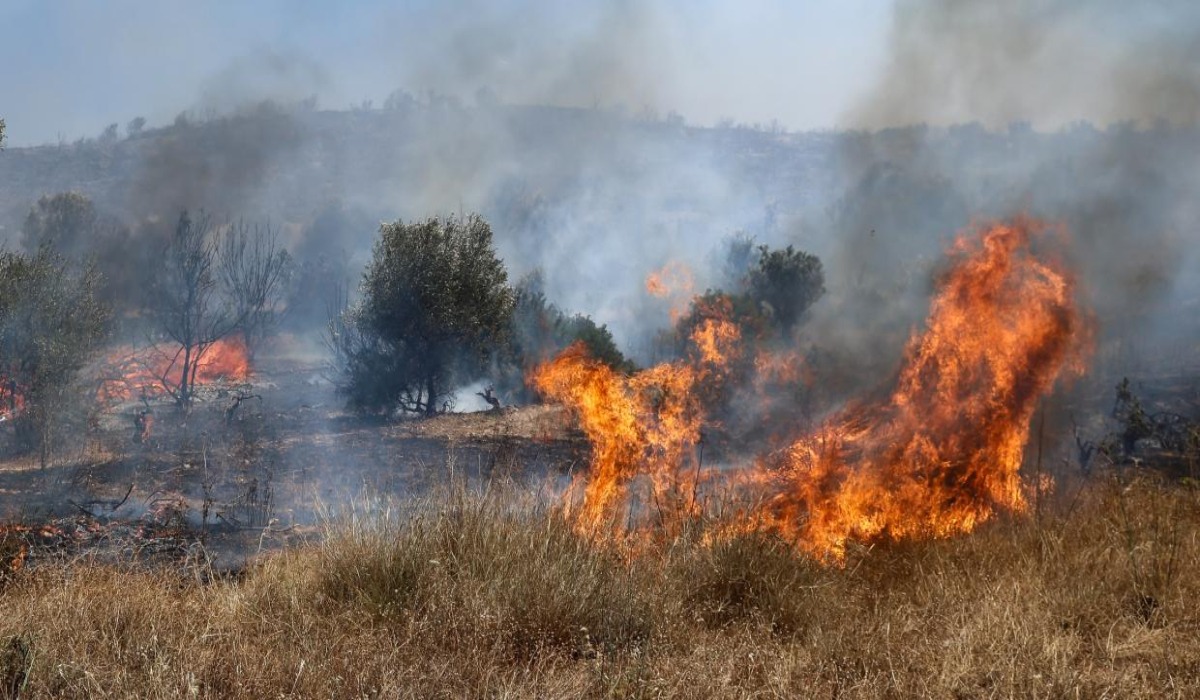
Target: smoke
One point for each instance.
(532, 52)
(1048, 62)
(221, 164)
(556, 123)
(1082, 114)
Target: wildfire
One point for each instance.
(12, 399)
(939, 456)
(644, 425)
(133, 373)
(945, 452)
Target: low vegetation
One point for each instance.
(469, 595)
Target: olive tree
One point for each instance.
(51, 324)
(68, 221)
(435, 305)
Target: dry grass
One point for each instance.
(489, 596)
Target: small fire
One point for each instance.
(147, 372)
(673, 282)
(939, 456)
(12, 399)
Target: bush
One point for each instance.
(786, 282)
(540, 330)
(51, 322)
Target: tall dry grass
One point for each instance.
(488, 596)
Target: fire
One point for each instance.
(944, 453)
(134, 373)
(644, 425)
(939, 456)
(12, 399)
(673, 282)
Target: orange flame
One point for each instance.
(131, 373)
(945, 452)
(674, 283)
(939, 456)
(12, 399)
(647, 424)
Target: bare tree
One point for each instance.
(188, 306)
(254, 271)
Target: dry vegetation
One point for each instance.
(490, 595)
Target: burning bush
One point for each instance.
(541, 330)
(940, 456)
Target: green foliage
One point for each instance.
(752, 320)
(51, 322)
(597, 338)
(771, 295)
(736, 261)
(540, 330)
(80, 231)
(67, 221)
(787, 282)
(435, 306)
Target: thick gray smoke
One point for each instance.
(534, 52)
(1077, 113)
(1048, 62)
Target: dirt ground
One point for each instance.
(264, 476)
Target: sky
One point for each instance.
(71, 67)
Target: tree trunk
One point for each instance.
(44, 447)
(183, 397)
(430, 397)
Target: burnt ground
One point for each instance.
(212, 487)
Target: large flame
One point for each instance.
(945, 451)
(647, 424)
(942, 454)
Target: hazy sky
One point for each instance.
(70, 67)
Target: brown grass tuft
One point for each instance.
(491, 595)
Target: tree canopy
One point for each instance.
(67, 221)
(786, 282)
(435, 305)
(51, 322)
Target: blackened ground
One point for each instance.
(223, 485)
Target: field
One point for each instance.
(342, 557)
(489, 594)
(937, 542)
